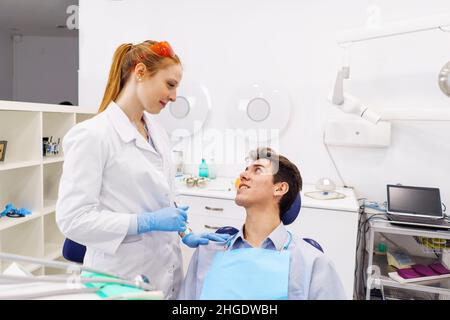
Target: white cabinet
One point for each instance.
(213, 208)
(30, 180)
(332, 223)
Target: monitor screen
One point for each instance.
(414, 200)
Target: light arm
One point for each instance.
(348, 103)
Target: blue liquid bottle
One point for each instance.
(203, 169)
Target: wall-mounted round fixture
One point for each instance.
(187, 114)
(260, 107)
(444, 79)
(180, 108)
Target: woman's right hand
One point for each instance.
(165, 219)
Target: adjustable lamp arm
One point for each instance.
(348, 103)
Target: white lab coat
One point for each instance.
(110, 174)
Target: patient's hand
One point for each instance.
(193, 240)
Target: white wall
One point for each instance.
(225, 44)
(46, 69)
(6, 69)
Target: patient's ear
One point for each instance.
(280, 189)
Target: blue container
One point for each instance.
(203, 169)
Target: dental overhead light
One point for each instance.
(262, 110)
(444, 79)
(186, 116)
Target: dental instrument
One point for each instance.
(188, 229)
(71, 268)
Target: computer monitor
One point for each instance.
(414, 201)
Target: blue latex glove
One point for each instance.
(166, 219)
(193, 240)
(10, 210)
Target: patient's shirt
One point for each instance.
(311, 273)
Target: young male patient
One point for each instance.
(264, 260)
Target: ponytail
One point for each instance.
(125, 58)
(115, 79)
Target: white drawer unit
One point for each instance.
(212, 207)
(201, 223)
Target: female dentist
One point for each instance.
(116, 192)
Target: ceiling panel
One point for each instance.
(35, 17)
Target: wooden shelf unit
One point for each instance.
(30, 180)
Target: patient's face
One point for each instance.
(256, 186)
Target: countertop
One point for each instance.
(223, 188)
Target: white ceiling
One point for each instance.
(35, 17)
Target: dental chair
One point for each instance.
(73, 251)
(287, 218)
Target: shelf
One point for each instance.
(57, 271)
(4, 166)
(25, 238)
(80, 117)
(52, 175)
(21, 187)
(52, 251)
(49, 206)
(55, 125)
(30, 180)
(44, 107)
(7, 222)
(388, 228)
(50, 159)
(53, 238)
(385, 269)
(22, 131)
(32, 267)
(417, 289)
(429, 287)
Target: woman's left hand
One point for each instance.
(193, 240)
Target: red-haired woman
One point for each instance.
(116, 192)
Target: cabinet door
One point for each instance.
(336, 232)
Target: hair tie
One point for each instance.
(163, 49)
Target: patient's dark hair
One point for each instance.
(284, 171)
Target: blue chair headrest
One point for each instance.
(314, 243)
(289, 216)
(228, 230)
(73, 251)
